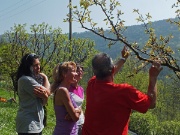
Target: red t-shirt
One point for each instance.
(108, 107)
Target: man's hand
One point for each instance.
(121, 61)
(155, 68)
(125, 52)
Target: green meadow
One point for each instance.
(8, 112)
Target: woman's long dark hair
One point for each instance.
(24, 67)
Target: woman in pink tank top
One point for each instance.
(77, 93)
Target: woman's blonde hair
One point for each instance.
(58, 73)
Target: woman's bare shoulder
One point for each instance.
(62, 90)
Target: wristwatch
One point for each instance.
(124, 59)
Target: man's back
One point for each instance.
(108, 107)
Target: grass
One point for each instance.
(8, 114)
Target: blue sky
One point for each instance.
(53, 12)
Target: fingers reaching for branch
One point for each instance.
(155, 68)
(125, 52)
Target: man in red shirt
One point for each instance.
(108, 105)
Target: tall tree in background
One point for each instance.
(50, 44)
(155, 47)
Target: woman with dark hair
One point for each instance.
(64, 105)
(32, 97)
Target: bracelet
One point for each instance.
(124, 59)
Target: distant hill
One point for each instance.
(134, 33)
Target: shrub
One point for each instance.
(169, 128)
(143, 124)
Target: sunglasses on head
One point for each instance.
(30, 55)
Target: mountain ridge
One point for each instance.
(134, 33)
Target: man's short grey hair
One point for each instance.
(102, 65)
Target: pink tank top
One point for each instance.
(78, 91)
